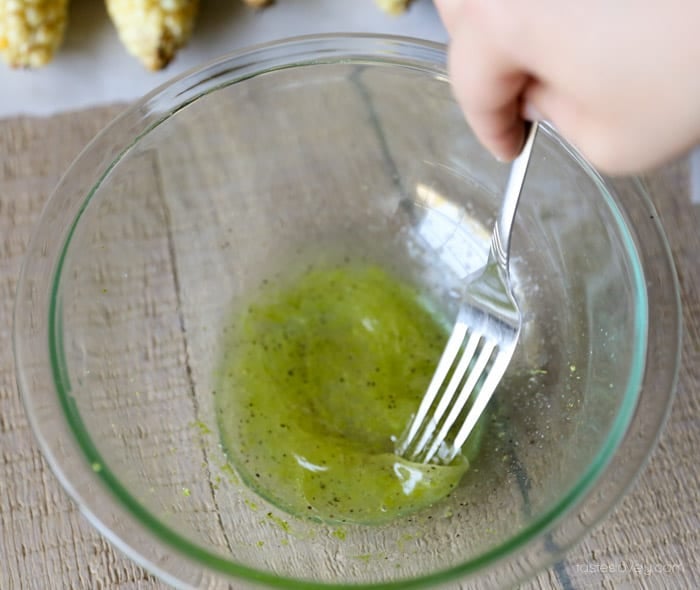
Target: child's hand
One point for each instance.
(618, 78)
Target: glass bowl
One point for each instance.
(307, 149)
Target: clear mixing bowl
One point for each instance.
(258, 162)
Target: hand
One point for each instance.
(620, 79)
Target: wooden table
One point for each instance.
(651, 540)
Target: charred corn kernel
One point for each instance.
(31, 30)
(153, 30)
(393, 6)
(258, 3)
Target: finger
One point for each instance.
(450, 12)
(592, 136)
(562, 111)
(489, 87)
(544, 102)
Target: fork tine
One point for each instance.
(482, 399)
(448, 394)
(454, 343)
(473, 378)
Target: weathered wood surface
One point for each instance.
(651, 540)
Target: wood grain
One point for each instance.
(44, 541)
(651, 540)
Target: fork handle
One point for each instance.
(500, 240)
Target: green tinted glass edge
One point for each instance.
(59, 371)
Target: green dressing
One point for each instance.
(319, 379)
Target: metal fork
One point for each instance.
(480, 346)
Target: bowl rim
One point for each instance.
(180, 92)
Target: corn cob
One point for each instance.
(31, 31)
(153, 30)
(393, 6)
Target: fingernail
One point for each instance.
(532, 113)
(503, 159)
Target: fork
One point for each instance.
(480, 346)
